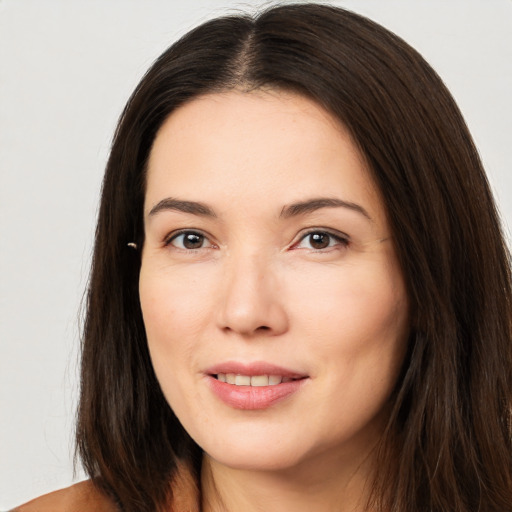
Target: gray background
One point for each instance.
(66, 69)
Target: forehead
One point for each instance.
(272, 145)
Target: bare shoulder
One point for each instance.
(81, 497)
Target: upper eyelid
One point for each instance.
(169, 237)
(332, 232)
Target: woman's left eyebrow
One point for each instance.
(311, 205)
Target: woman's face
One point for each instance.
(268, 264)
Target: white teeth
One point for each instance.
(274, 379)
(255, 380)
(259, 380)
(243, 380)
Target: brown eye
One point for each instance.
(193, 241)
(189, 240)
(318, 240)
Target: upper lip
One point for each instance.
(253, 369)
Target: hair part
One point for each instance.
(447, 445)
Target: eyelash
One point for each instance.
(168, 241)
(340, 239)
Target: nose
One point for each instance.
(252, 302)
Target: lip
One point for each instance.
(252, 369)
(249, 397)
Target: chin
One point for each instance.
(257, 459)
(270, 449)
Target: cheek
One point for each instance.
(356, 320)
(174, 312)
(356, 303)
(356, 323)
(170, 327)
(175, 305)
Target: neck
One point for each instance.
(323, 485)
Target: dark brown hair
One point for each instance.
(447, 446)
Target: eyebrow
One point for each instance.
(291, 210)
(311, 205)
(178, 205)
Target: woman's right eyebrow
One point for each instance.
(179, 205)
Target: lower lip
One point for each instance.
(253, 397)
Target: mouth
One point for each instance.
(253, 380)
(253, 386)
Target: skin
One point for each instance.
(257, 289)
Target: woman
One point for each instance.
(300, 296)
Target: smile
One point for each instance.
(253, 386)
(252, 380)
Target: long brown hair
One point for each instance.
(447, 445)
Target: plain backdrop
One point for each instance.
(66, 69)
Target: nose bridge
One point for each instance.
(251, 300)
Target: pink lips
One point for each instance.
(251, 397)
